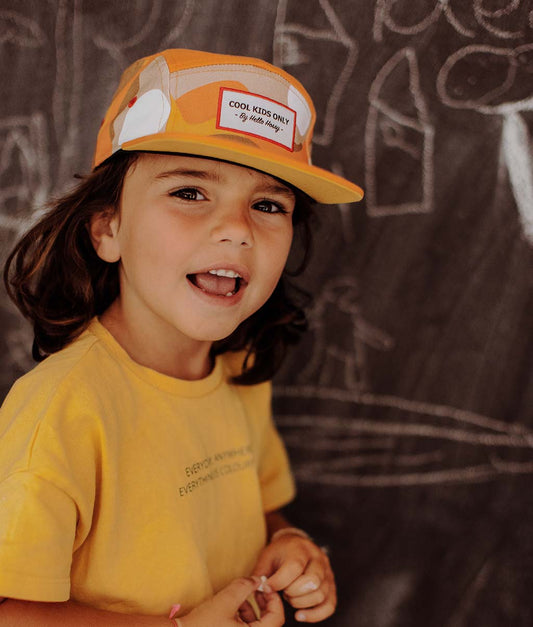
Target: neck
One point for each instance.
(178, 357)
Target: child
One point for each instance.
(139, 466)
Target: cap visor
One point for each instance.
(319, 184)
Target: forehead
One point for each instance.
(165, 166)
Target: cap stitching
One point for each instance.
(242, 68)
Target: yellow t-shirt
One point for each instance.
(129, 490)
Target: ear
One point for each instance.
(103, 231)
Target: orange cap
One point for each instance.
(231, 108)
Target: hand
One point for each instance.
(302, 570)
(229, 607)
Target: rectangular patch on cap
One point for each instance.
(256, 115)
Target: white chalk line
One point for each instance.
(383, 17)
(407, 405)
(360, 442)
(481, 14)
(20, 30)
(337, 34)
(345, 463)
(420, 124)
(469, 474)
(402, 429)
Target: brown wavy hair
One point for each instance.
(59, 283)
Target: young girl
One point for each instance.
(140, 470)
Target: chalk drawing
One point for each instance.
(24, 162)
(24, 188)
(20, 30)
(346, 210)
(416, 424)
(462, 84)
(24, 170)
(68, 86)
(117, 49)
(288, 53)
(486, 18)
(170, 39)
(341, 337)
(25, 182)
(400, 127)
(383, 17)
(483, 15)
(460, 615)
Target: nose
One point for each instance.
(233, 226)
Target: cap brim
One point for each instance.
(321, 185)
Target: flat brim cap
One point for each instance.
(237, 109)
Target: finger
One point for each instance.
(315, 596)
(316, 614)
(250, 615)
(260, 598)
(230, 598)
(311, 579)
(309, 600)
(287, 573)
(265, 565)
(247, 613)
(272, 614)
(319, 612)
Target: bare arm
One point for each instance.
(274, 522)
(15, 613)
(221, 610)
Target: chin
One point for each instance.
(214, 335)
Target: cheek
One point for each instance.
(150, 245)
(276, 258)
(285, 247)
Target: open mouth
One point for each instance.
(219, 282)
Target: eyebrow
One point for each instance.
(199, 174)
(212, 175)
(281, 190)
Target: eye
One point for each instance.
(188, 193)
(269, 206)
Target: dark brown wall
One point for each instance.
(408, 409)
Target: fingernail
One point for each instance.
(309, 586)
(300, 616)
(263, 586)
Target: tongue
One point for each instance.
(213, 284)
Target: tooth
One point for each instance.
(227, 273)
(229, 294)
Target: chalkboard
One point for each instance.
(408, 408)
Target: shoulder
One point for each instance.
(50, 374)
(66, 384)
(51, 417)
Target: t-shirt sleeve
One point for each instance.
(277, 483)
(47, 487)
(37, 528)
